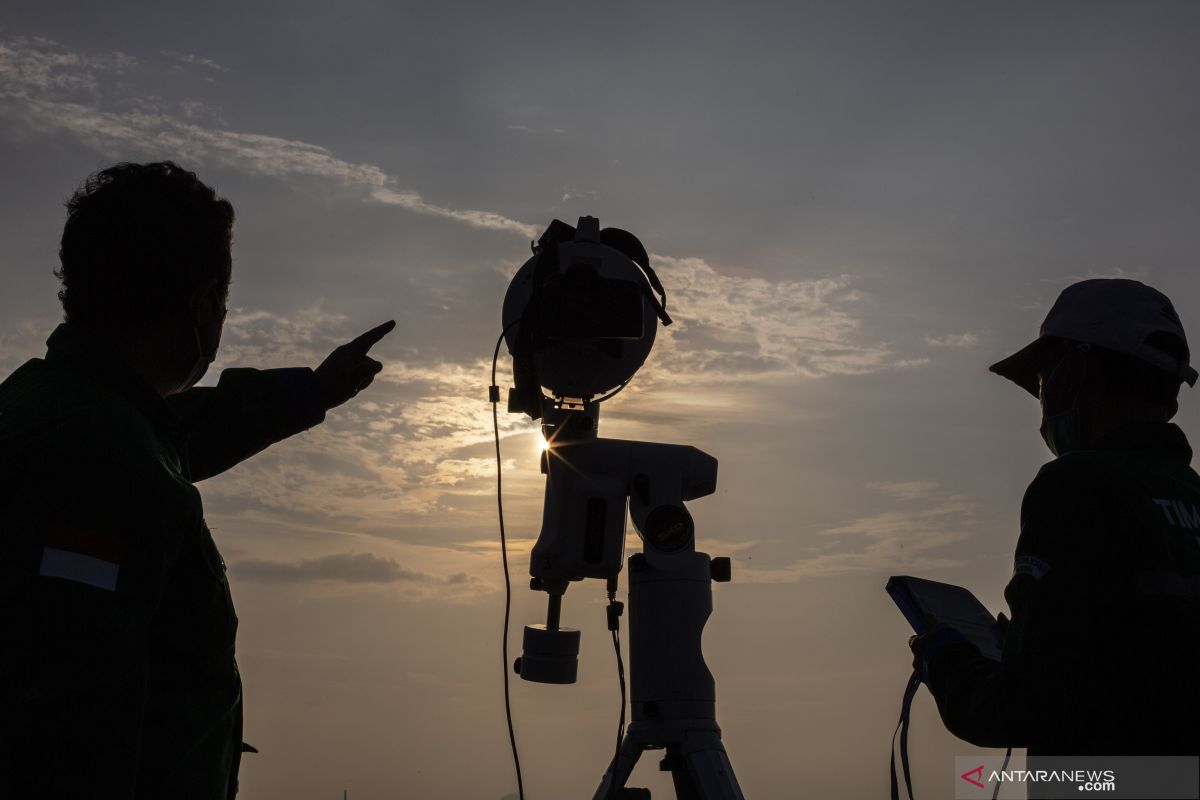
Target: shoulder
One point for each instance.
(68, 442)
(1068, 510)
(23, 395)
(40, 393)
(45, 408)
(1081, 475)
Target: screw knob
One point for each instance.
(721, 569)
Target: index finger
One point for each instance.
(367, 340)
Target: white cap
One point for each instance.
(1114, 313)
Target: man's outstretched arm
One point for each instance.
(249, 409)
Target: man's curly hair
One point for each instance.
(139, 239)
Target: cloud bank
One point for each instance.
(50, 89)
(346, 567)
(414, 454)
(730, 328)
(956, 340)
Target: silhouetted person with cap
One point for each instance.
(1102, 651)
(117, 671)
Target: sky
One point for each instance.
(855, 209)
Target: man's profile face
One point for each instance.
(212, 321)
(222, 308)
(1056, 381)
(212, 308)
(200, 333)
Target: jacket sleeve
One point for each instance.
(247, 411)
(82, 569)
(1042, 690)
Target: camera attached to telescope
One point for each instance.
(580, 315)
(580, 318)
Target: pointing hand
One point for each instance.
(348, 369)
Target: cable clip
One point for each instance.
(615, 609)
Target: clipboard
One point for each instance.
(921, 600)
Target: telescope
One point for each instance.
(580, 319)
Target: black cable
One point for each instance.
(612, 781)
(614, 613)
(494, 396)
(1003, 768)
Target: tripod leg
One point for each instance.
(704, 774)
(628, 758)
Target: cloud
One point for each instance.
(958, 340)
(733, 327)
(357, 571)
(577, 194)
(254, 335)
(414, 447)
(413, 455)
(459, 472)
(342, 567)
(727, 328)
(905, 490)
(908, 539)
(196, 111)
(33, 66)
(195, 60)
(531, 130)
(419, 442)
(50, 90)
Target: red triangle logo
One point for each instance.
(978, 773)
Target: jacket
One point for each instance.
(117, 629)
(1101, 654)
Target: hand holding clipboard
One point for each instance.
(925, 603)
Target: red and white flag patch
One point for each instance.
(83, 556)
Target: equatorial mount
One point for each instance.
(580, 319)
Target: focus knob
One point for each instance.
(721, 569)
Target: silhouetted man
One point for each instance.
(1102, 651)
(117, 672)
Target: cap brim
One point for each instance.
(1022, 366)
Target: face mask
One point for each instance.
(1063, 432)
(200, 366)
(203, 357)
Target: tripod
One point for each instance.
(673, 695)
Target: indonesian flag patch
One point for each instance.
(83, 556)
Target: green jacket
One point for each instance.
(117, 670)
(1102, 653)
